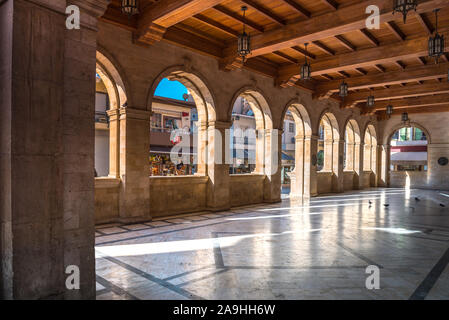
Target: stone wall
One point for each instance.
(324, 182)
(348, 180)
(181, 194)
(106, 200)
(436, 128)
(246, 189)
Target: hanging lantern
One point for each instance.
(370, 101)
(244, 40)
(436, 43)
(343, 89)
(389, 110)
(404, 6)
(306, 70)
(405, 119)
(130, 7)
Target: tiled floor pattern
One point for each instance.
(314, 250)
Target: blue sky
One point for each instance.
(170, 89)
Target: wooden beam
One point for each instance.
(398, 93)
(265, 12)
(400, 65)
(216, 25)
(379, 67)
(189, 41)
(297, 7)
(390, 53)
(426, 25)
(331, 4)
(286, 57)
(361, 71)
(304, 53)
(344, 20)
(388, 78)
(156, 18)
(238, 18)
(345, 43)
(368, 36)
(441, 99)
(382, 115)
(323, 48)
(395, 30)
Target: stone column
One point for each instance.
(337, 165)
(114, 143)
(297, 176)
(47, 143)
(217, 166)
(273, 164)
(384, 180)
(328, 155)
(310, 166)
(134, 202)
(358, 164)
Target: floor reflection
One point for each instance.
(318, 249)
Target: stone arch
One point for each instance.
(258, 103)
(117, 89)
(113, 78)
(301, 176)
(197, 86)
(331, 135)
(205, 105)
(385, 155)
(352, 138)
(264, 127)
(398, 126)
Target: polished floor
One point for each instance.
(314, 250)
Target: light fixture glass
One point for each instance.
(130, 7)
(244, 40)
(343, 89)
(404, 6)
(389, 110)
(306, 71)
(370, 100)
(405, 119)
(436, 43)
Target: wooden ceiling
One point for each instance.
(391, 61)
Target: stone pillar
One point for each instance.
(384, 180)
(218, 193)
(310, 166)
(200, 144)
(297, 176)
(350, 156)
(273, 164)
(358, 165)
(328, 155)
(134, 199)
(337, 165)
(114, 143)
(373, 177)
(47, 143)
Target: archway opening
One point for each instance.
(370, 157)
(295, 158)
(328, 153)
(251, 119)
(174, 121)
(408, 150)
(110, 94)
(182, 107)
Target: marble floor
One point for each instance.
(314, 250)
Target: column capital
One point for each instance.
(220, 124)
(136, 114)
(113, 114)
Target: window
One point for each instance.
(291, 127)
